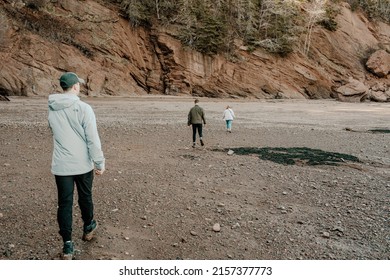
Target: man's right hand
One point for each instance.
(99, 171)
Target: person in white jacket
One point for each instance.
(228, 116)
(77, 156)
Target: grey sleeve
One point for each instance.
(92, 139)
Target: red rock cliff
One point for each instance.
(37, 45)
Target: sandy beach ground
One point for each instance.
(303, 180)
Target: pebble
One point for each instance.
(237, 225)
(230, 152)
(194, 233)
(217, 227)
(325, 234)
(337, 228)
(1, 215)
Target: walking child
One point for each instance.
(228, 116)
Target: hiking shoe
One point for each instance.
(193, 145)
(68, 250)
(89, 231)
(201, 142)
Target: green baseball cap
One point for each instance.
(69, 79)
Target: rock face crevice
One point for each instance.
(87, 37)
(163, 54)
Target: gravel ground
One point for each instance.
(162, 199)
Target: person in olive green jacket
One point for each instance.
(196, 118)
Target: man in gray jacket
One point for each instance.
(77, 153)
(196, 118)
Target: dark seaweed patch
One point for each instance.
(297, 155)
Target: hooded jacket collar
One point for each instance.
(61, 101)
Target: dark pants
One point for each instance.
(65, 187)
(196, 126)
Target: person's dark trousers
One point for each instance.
(65, 187)
(196, 126)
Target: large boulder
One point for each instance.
(353, 91)
(379, 63)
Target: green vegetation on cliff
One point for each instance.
(211, 26)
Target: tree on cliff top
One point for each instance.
(212, 26)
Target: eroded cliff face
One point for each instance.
(37, 45)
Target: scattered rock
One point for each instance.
(217, 227)
(230, 152)
(379, 96)
(181, 202)
(326, 234)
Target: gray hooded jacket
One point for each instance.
(77, 147)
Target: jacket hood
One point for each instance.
(61, 101)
